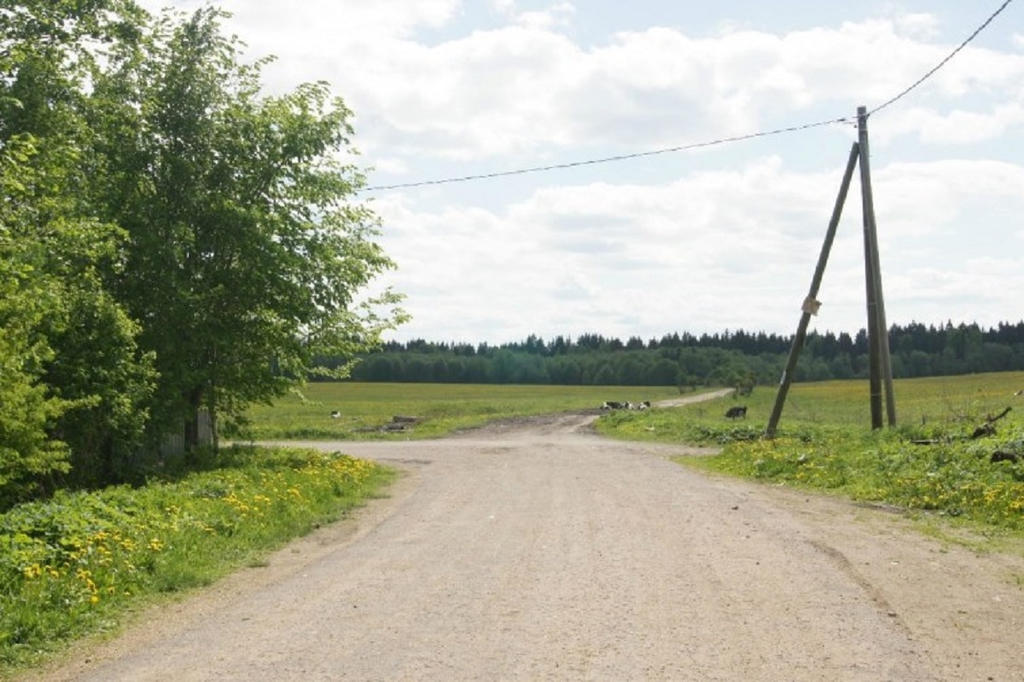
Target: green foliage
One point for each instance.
(28, 452)
(929, 463)
(738, 358)
(169, 237)
(106, 382)
(667, 367)
(954, 478)
(74, 381)
(245, 252)
(72, 564)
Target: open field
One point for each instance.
(940, 404)
(443, 408)
(929, 462)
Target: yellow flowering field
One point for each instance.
(69, 565)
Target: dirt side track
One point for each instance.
(538, 550)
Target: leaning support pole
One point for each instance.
(811, 304)
(880, 368)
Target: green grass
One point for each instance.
(443, 408)
(934, 404)
(75, 564)
(824, 442)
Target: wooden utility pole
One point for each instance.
(880, 363)
(811, 304)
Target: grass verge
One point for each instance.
(824, 444)
(73, 565)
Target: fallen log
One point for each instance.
(999, 416)
(986, 429)
(989, 428)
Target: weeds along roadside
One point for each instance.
(931, 464)
(72, 565)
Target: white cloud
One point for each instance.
(920, 26)
(504, 6)
(954, 127)
(521, 88)
(527, 89)
(728, 248)
(983, 290)
(556, 15)
(730, 241)
(925, 202)
(391, 165)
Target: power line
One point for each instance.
(610, 159)
(938, 66)
(696, 145)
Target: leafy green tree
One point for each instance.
(663, 372)
(62, 396)
(27, 407)
(605, 376)
(628, 372)
(245, 251)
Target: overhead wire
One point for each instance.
(610, 159)
(697, 145)
(926, 76)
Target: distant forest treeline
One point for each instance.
(730, 358)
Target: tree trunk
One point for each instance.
(195, 402)
(211, 410)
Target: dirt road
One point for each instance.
(541, 551)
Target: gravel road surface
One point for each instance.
(536, 550)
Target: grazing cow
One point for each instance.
(335, 414)
(736, 411)
(645, 405)
(613, 405)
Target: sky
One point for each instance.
(718, 238)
